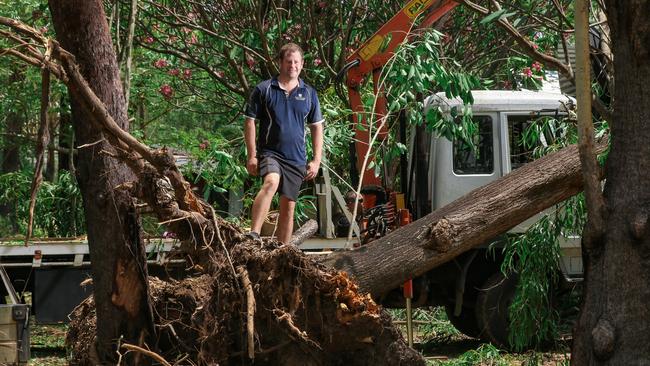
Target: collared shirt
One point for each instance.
(282, 117)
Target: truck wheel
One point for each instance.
(466, 322)
(492, 304)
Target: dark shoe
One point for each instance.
(254, 236)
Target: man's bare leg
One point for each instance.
(262, 202)
(285, 222)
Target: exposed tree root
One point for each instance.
(305, 314)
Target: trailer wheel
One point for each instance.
(465, 322)
(492, 304)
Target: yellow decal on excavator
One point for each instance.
(415, 7)
(372, 47)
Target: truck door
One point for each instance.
(513, 152)
(459, 168)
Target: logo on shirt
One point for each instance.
(300, 97)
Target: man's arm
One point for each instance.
(317, 144)
(251, 153)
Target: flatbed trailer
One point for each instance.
(51, 271)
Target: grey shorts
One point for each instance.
(291, 176)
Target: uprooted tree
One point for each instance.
(272, 303)
(295, 312)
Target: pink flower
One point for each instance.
(193, 39)
(535, 46)
(187, 73)
(318, 61)
(174, 72)
(220, 74)
(250, 63)
(166, 91)
(204, 145)
(160, 63)
(537, 66)
(149, 40)
(527, 72)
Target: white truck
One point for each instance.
(471, 287)
(53, 269)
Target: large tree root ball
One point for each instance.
(302, 314)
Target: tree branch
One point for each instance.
(530, 50)
(590, 169)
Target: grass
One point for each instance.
(443, 345)
(47, 345)
(434, 336)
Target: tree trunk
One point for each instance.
(614, 321)
(114, 232)
(15, 122)
(11, 151)
(51, 173)
(66, 137)
(465, 223)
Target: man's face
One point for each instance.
(291, 65)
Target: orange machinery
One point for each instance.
(370, 58)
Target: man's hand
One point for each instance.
(251, 166)
(312, 169)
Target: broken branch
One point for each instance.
(250, 312)
(155, 356)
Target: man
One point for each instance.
(282, 106)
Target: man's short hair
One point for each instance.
(289, 48)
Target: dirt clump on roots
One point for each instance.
(302, 312)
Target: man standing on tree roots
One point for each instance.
(282, 105)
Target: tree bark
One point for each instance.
(614, 321)
(128, 51)
(11, 150)
(66, 137)
(14, 126)
(471, 220)
(305, 232)
(113, 226)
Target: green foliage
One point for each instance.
(432, 323)
(415, 71)
(486, 354)
(535, 255)
(419, 71)
(58, 211)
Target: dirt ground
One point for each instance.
(446, 347)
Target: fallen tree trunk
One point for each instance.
(305, 232)
(463, 224)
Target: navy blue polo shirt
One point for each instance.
(282, 118)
